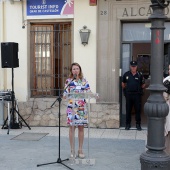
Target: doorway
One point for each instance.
(136, 45)
(50, 49)
(139, 52)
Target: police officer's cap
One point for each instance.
(133, 63)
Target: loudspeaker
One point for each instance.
(9, 55)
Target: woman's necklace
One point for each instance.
(79, 82)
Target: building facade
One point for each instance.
(49, 41)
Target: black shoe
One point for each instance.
(127, 127)
(138, 127)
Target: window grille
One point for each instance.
(50, 58)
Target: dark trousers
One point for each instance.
(133, 99)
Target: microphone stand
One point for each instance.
(59, 99)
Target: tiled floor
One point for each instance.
(107, 147)
(94, 133)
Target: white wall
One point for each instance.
(2, 71)
(86, 55)
(13, 32)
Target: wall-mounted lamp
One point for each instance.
(84, 35)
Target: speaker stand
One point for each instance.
(13, 124)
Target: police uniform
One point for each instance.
(133, 92)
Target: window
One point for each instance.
(50, 58)
(141, 31)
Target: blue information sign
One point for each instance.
(50, 7)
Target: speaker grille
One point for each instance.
(9, 55)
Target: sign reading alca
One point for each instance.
(52, 8)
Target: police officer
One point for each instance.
(133, 83)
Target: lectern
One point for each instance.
(86, 120)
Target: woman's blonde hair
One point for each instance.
(80, 74)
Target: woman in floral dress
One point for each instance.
(76, 111)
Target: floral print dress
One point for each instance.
(76, 109)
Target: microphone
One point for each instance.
(74, 76)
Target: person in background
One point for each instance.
(76, 83)
(133, 83)
(166, 95)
